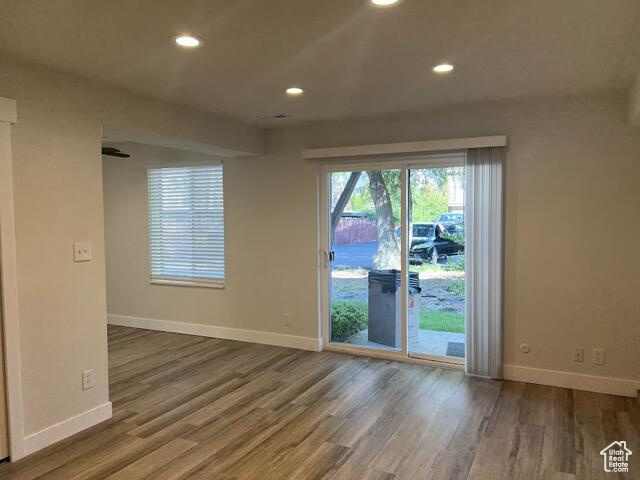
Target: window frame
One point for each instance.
(178, 280)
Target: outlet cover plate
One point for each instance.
(87, 380)
(81, 251)
(598, 356)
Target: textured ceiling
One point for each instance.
(352, 59)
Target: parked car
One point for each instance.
(435, 241)
(451, 218)
(420, 232)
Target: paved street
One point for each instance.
(355, 255)
(358, 255)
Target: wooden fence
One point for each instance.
(355, 230)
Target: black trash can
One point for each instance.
(385, 305)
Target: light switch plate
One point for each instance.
(81, 251)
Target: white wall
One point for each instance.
(572, 180)
(572, 176)
(571, 271)
(269, 244)
(58, 200)
(4, 419)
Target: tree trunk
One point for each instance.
(388, 254)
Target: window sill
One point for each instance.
(188, 283)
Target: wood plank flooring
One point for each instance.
(195, 408)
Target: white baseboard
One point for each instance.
(577, 381)
(252, 336)
(66, 428)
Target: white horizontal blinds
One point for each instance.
(186, 223)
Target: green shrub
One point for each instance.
(456, 287)
(347, 318)
(454, 265)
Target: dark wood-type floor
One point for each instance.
(195, 408)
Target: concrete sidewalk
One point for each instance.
(430, 342)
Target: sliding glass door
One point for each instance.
(393, 246)
(436, 325)
(365, 258)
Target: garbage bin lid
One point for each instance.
(392, 279)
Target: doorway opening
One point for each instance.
(365, 259)
(394, 268)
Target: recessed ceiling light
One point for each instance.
(443, 68)
(294, 91)
(186, 41)
(384, 3)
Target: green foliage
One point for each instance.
(456, 287)
(442, 321)
(428, 192)
(351, 317)
(456, 237)
(428, 203)
(435, 176)
(455, 265)
(362, 202)
(347, 318)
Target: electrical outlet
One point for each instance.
(87, 379)
(81, 251)
(578, 354)
(525, 348)
(598, 356)
(287, 319)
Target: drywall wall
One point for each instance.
(634, 103)
(572, 179)
(571, 279)
(57, 178)
(4, 419)
(269, 244)
(122, 114)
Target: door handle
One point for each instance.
(329, 255)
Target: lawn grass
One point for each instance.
(352, 287)
(429, 319)
(442, 321)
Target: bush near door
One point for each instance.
(351, 317)
(347, 318)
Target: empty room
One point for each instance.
(319, 239)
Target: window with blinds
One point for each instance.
(186, 224)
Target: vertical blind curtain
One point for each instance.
(186, 223)
(483, 231)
